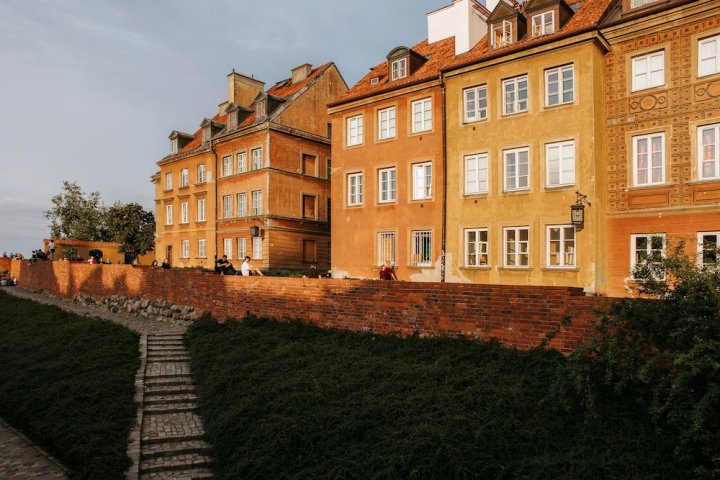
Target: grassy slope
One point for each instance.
(68, 382)
(293, 401)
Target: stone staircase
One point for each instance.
(172, 444)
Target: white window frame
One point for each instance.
(201, 210)
(227, 204)
(477, 249)
(648, 250)
(561, 88)
(201, 174)
(386, 248)
(169, 181)
(512, 89)
(422, 181)
(354, 129)
(420, 241)
(241, 248)
(477, 174)
(184, 212)
(505, 30)
(398, 69)
(386, 123)
(174, 145)
(257, 158)
(640, 3)
(422, 115)
(701, 250)
(185, 248)
(168, 214)
(713, 162)
(242, 204)
(565, 166)
(257, 202)
(475, 104)
(650, 167)
(241, 160)
(644, 74)
(540, 25)
(517, 177)
(521, 247)
(710, 63)
(567, 247)
(387, 185)
(355, 194)
(228, 247)
(202, 248)
(184, 177)
(257, 246)
(227, 165)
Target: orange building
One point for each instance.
(663, 132)
(253, 180)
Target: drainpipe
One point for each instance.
(215, 209)
(443, 225)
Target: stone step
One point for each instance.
(169, 399)
(168, 381)
(155, 355)
(152, 345)
(165, 348)
(155, 390)
(169, 449)
(165, 408)
(174, 462)
(166, 336)
(177, 438)
(164, 359)
(190, 474)
(168, 375)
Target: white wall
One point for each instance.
(459, 20)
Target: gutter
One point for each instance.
(443, 224)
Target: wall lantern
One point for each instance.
(254, 231)
(577, 210)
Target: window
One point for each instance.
(708, 249)
(476, 174)
(201, 210)
(387, 185)
(502, 34)
(386, 248)
(543, 24)
(202, 249)
(227, 206)
(241, 162)
(168, 181)
(476, 247)
(201, 174)
(640, 3)
(399, 69)
(185, 249)
(355, 189)
(476, 103)
(560, 246)
(517, 247)
(257, 160)
(560, 163)
(242, 204)
(559, 85)
(257, 202)
(168, 214)
(648, 71)
(515, 95)
(257, 244)
(184, 213)
(649, 159)
(309, 251)
(227, 247)
(421, 248)
(174, 145)
(422, 115)
(227, 166)
(709, 152)
(386, 123)
(422, 181)
(184, 177)
(517, 169)
(309, 165)
(709, 56)
(355, 130)
(242, 248)
(309, 207)
(648, 251)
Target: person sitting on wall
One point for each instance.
(165, 264)
(4, 255)
(246, 269)
(51, 248)
(387, 272)
(311, 272)
(223, 266)
(154, 264)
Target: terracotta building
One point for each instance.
(254, 178)
(663, 132)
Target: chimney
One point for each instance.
(242, 90)
(301, 73)
(462, 19)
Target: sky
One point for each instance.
(91, 89)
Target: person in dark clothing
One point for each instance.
(165, 264)
(387, 272)
(224, 267)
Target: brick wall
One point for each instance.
(515, 315)
(5, 264)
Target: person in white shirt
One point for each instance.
(246, 268)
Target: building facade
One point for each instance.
(260, 169)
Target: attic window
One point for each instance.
(399, 69)
(640, 3)
(374, 81)
(174, 145)
(543, 24)
(502, 34)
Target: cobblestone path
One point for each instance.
(21, 460)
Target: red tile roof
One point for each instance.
(197, 136)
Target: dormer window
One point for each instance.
(502, 34)
(399, 69)
(543, 24)
(174, 146)
(640, 3)
(374, 81)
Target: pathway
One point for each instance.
(167, 441)
(23, 460)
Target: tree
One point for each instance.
(76, 215)
(132, 226)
